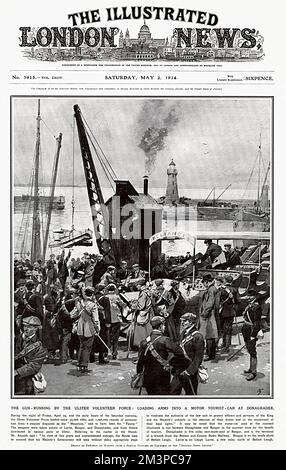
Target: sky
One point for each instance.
(213, 141)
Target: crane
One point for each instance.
(98, 209)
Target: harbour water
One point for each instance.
(82, 218)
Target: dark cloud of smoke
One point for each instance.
(161, 117)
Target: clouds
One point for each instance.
(213, 141)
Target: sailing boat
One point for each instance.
(58, 203)
(67, 238)
(215, 209)
(34, 242)
(257, 215)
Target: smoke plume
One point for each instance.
(161, 117)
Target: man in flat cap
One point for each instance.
(153, 358)
(136, 278)
(143, 312)
(34, 303)
(232, 256)
(68, 314)
(193, 345)
(52, 273)
(110, 326)
(228, 302)
(109, 277)
(157, 290)
(29, 356)
(88, 272)
(52, 303)
(122, 272)
(159, 269)
(87, 327)
(20, 297)
(63, 271)
(252, 324)
(208, 324)
(175, 304)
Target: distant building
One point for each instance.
(144, 38)
(172, 193)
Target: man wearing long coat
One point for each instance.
(154, 365)
(208, 325)
(29, 356)
(175, 305)
(186, 371)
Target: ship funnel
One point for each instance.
(145, 190)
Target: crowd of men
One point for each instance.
(72, 309)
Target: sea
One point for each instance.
(22, 222)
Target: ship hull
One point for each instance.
(57, 204)
(218, 213)
(249, 216)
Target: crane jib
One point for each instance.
(94, 191)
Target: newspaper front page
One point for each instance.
(143, 297)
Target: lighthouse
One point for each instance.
(172, 193)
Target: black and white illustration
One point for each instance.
(141, 246)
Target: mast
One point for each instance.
(259, 169)
(223, 191)
(36, 228)
(96, 201)
(265, 178)
(264, 201)
(208, 195)
(52, 193)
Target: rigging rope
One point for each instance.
(43, 207)
(49, 129)
(51, 190)
(27, 210)
(26, 207)
(108, 169)
(105, 169)
(243, 196)
(100, 148)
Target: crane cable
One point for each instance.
(103, 165)
(112, 172)
(103, 160)
(107, 172)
